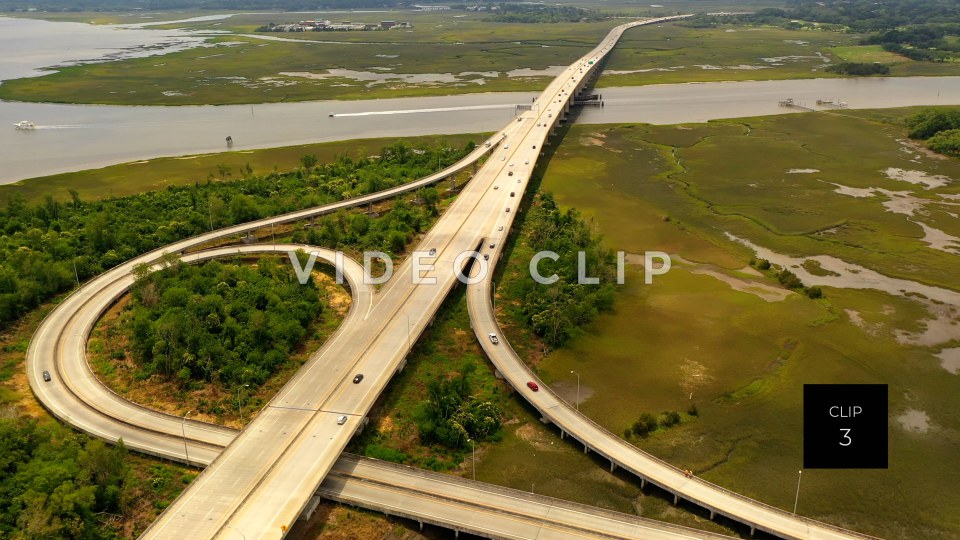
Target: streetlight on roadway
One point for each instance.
(183, 430)
(238, 531)
(797, 497)
(578, 389)
(473, 449)
(239, 408)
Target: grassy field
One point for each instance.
(140, 176)
(694, 338)
(674, 54)
(450, 52)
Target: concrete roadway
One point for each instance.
(265, 477)
(263, 480)
(75, 396)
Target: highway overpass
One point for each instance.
(77, 397)
(264, 478)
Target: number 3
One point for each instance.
(846, 436)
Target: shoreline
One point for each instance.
(87, 137)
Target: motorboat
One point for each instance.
(25, 124)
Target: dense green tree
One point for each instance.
(930, 121)
(46, 247)
(557, 311)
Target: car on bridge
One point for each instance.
(494, 339)
(358, 378)
(46, 376)
(341, 420)
(533, 386)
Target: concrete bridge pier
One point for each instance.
(586, 449)
(613, 466)
(712, 514)
(676, 499)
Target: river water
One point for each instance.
(74, 137)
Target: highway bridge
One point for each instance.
(264, 478)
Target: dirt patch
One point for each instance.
(593, 139)
(857, 320)
(568, 392)
(764, 291)
(921, 149)
(533, 435)
(914, 421)
(694, 375)
(950, 359)
(333, 521)
(927, 180)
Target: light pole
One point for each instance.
(239, 408)
(473, 449)
(797, 497)
(183, 430)
(238, 531)
(578, 389)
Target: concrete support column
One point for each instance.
(712, 513)
(676, 499)
(613, 466)
(585, 448)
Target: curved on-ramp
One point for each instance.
(109, 286)
(77, 397)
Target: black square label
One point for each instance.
(845, 426)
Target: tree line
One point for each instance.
(55, 483)
(556, 312)
(939, 128)
(46, 248)
(219, 321)
(452, 415)
(917, 29)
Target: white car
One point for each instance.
(341, 420)
(494, 339)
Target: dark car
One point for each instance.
(433, 251)
(510, 173)
(46, 376)
(358, 378)
(533, 386)
(512, 194)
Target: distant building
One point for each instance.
(386, 25)
(431, 7)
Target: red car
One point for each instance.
(533, 386)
